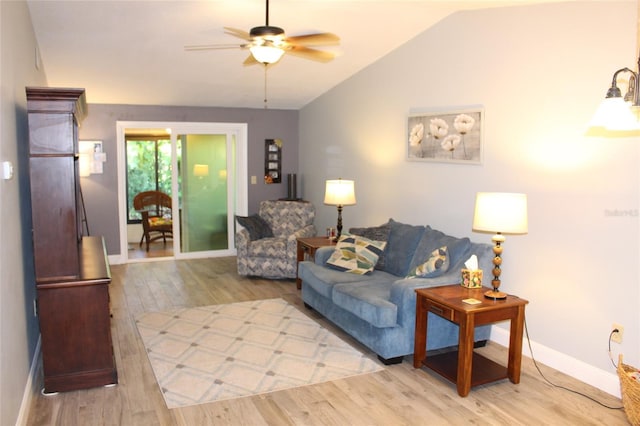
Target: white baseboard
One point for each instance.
(579, 370)
(29, 390)
(116, 259)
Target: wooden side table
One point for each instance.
(464, 367)
(309, 246)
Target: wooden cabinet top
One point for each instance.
(57, 100)
(94, 266)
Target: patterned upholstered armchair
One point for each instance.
(276, 256)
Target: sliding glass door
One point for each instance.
(204, 162)
(206, 180)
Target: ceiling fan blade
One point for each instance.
(214, 46)
(250, 60)
(313, 54)
(237, 33)
(318, 39)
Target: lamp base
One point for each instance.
(495, 294)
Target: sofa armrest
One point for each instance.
(242, 242)
(307, 231)
(292, 240)
(403, 293)
(323, 254)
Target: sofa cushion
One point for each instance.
(323, 279)
(401, 245)
(375, 233)
(432, 240)
(256, 226)
(355, 254)
(368, 300)
(436, 265)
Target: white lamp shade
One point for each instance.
(613, 115)
(340, 192)
(501, 212)
(266, 54)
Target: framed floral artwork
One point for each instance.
(448, 136)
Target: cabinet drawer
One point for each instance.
(441, 310)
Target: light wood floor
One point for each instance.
(399, 395)
(156, 249)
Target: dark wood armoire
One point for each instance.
(71, 269)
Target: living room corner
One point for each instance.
(539, 88)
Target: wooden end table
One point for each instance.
(309, 246)
(464, 367)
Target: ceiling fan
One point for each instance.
(268, 44)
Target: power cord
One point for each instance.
(615, 330)
(526, 329)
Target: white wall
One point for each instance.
(539, 71)
(18, 326)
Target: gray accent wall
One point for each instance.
(100, 190)
(18, 325)
(539, 72)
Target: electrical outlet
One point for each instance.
(617, 336)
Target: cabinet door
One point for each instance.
(76, 336)
(51, 134)
(55, 221)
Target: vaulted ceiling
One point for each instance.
(132, 52)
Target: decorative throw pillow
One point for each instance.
(402, 243)
(458, 249)
(436, 265)
(258, 228)
(355, 254)
(375, 233)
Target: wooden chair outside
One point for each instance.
(157, 222)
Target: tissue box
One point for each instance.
(471, 278)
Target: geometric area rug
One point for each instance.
(218, 352)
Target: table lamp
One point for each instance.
(501, 213)
(339, 193)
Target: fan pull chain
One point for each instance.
(265, 86)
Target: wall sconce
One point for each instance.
(90, 158)
(617, 116)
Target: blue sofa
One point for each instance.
(378, 308)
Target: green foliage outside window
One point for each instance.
(148, 169)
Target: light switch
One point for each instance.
(254, 180)
(7, 170)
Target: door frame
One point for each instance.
(239, 199)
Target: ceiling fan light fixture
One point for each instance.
(268, 43)
(266, 31)
(266, 54)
